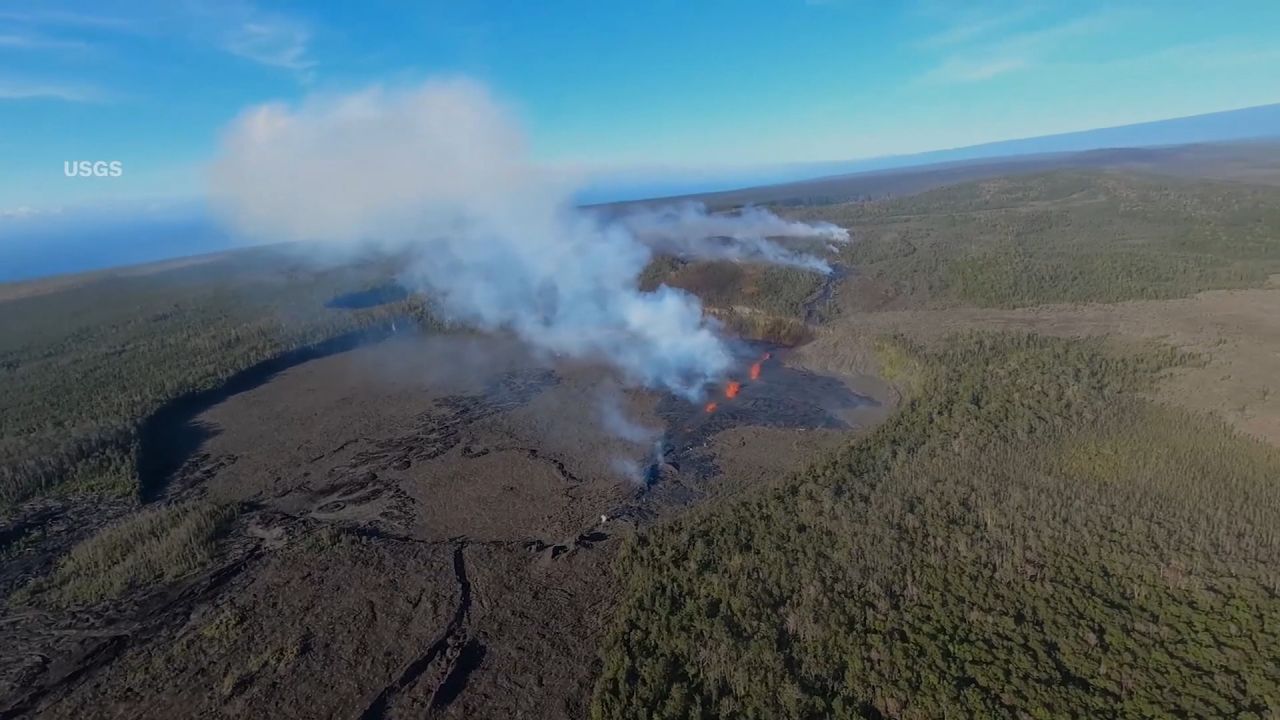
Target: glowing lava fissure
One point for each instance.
(731, 391)
(733, 387)
(758, 365)
(792, 398)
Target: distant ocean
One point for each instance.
(43, 244)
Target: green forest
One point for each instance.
(776, 291)
(1027, 537)
(84, 367)
(1063, 236)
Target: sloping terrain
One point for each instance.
(1026, 537)
(1064, 236)
(1048, 526)
(435, 516)
(309, 499)
(1254, 162)
(86, 365)
(1233, 336)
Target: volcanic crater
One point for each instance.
(477, 469)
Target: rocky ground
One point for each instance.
(425, 526)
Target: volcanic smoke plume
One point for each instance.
(442, 171)
(688, 229)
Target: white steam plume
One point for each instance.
(688, 229)
(442, 171)
(617, 424)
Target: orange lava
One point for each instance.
(711, 407)
(758, 365)
(731, 390)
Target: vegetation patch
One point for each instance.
(156, 545)
(1065, 236)
(722, 284)
(84, 367)
(756, 302)
(758, 326)
(1028, 536)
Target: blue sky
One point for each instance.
(612, 85)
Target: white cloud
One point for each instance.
(238, 27)
(69, 19)
(31, 41)
(242, 29)
(974, 70)
(22, 211)
(983, 58)
(17, 89)
(274, 41)
(972, 24)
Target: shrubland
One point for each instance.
(83, 367)
(778, 291)
(159, 544)
(1028, 536)
(1064, 236)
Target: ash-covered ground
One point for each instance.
(426, 527)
